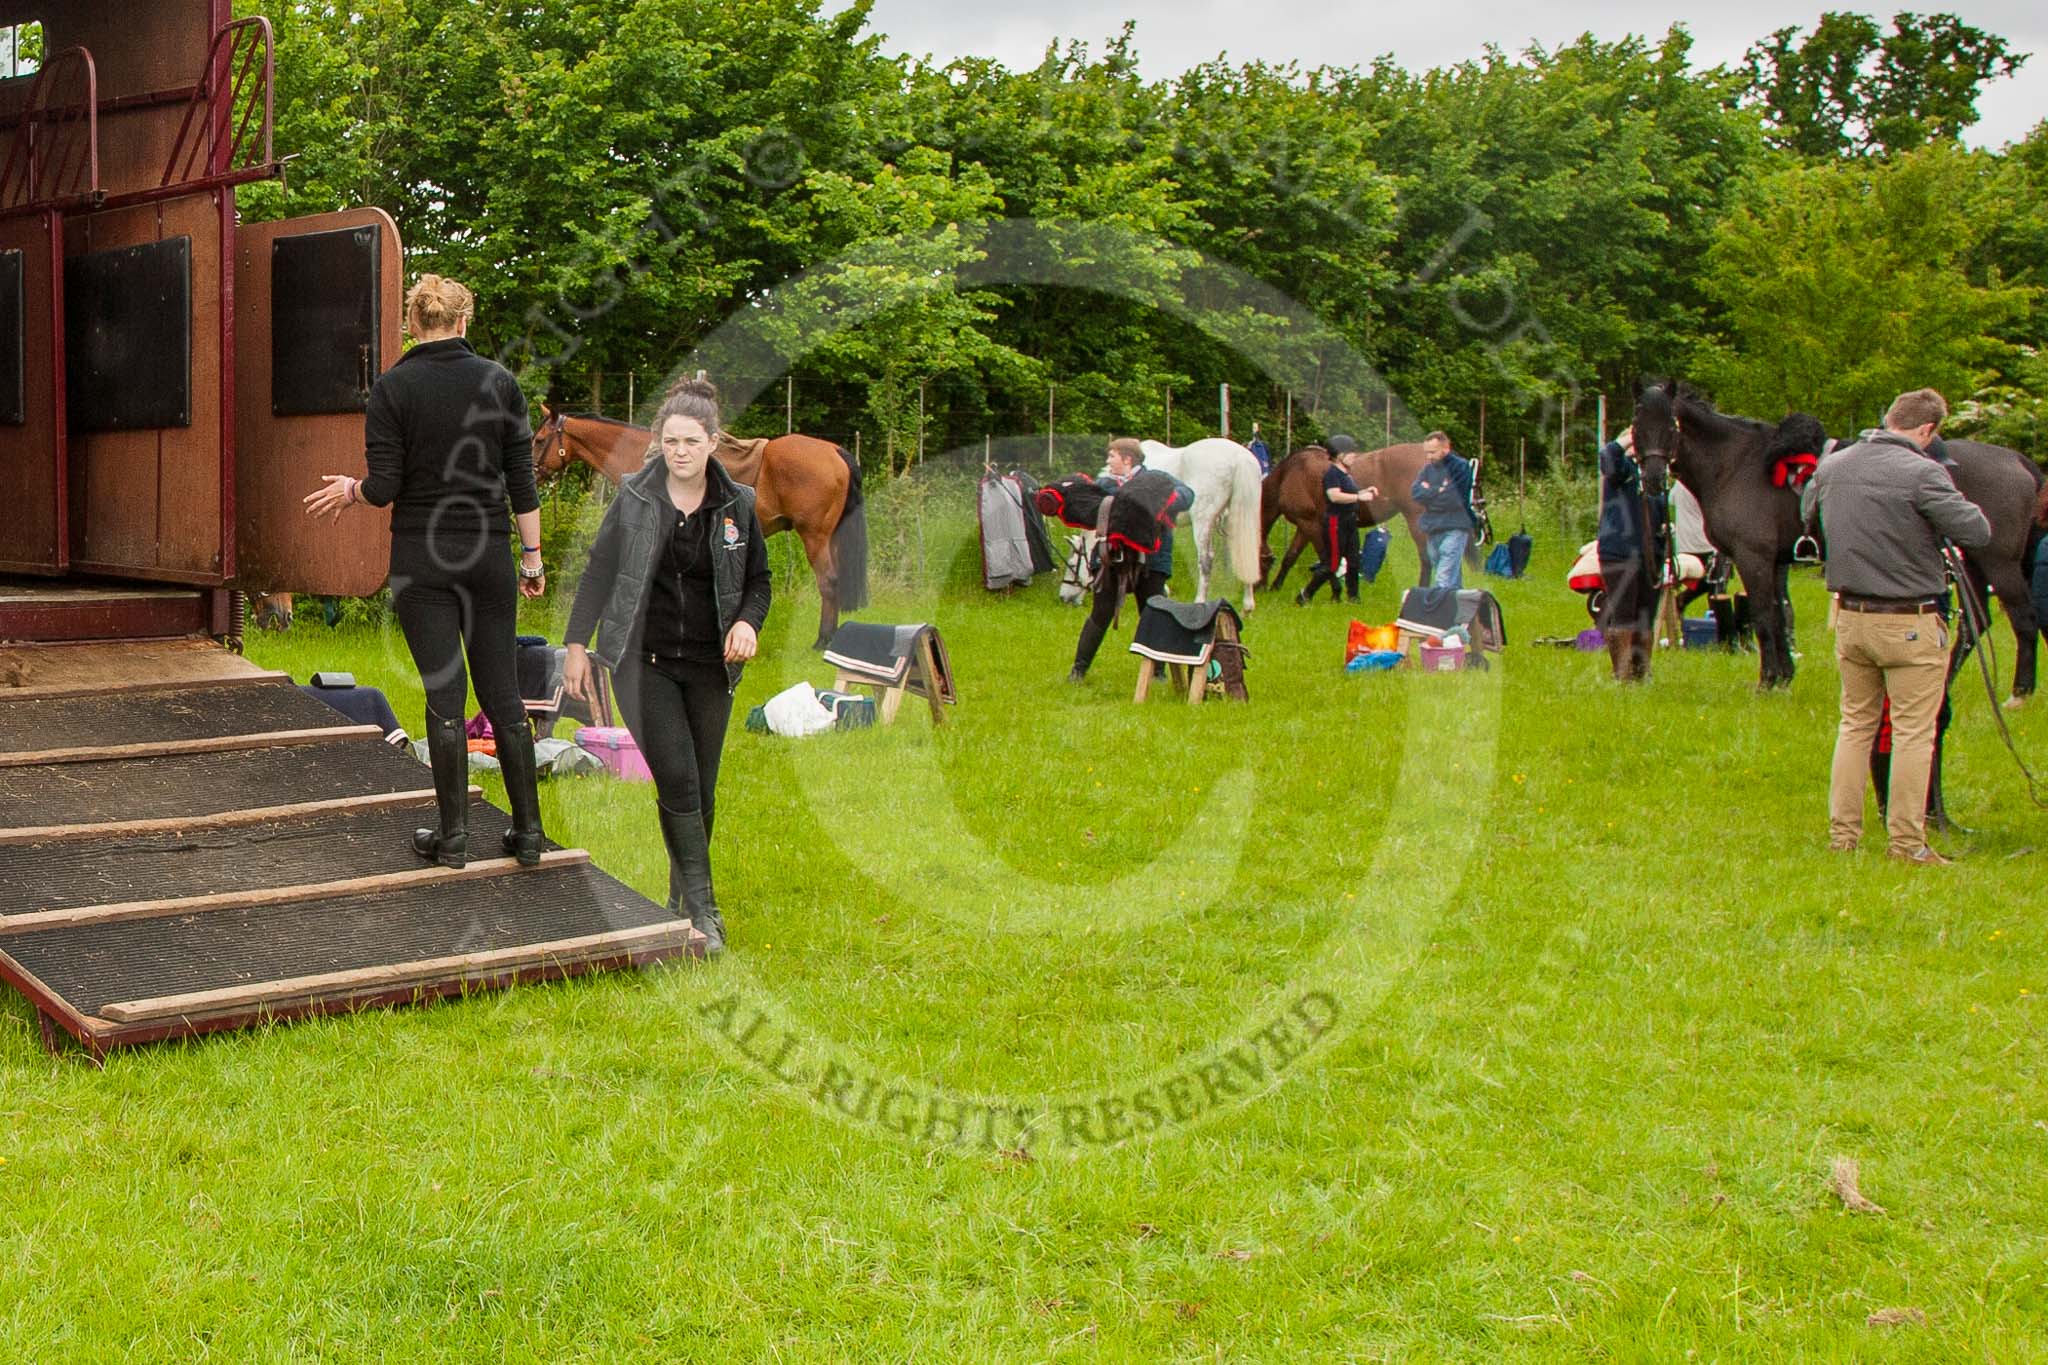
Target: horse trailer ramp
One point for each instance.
(216, 849)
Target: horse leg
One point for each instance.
(1781, 589)
(818, 549)
(1294, 548)
(1422, 555)
(1759, 572)
(2015, 595)
(1205, 557)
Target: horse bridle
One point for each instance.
(1669, 458)
(553, 435)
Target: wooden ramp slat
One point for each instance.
(276, 895)
(62, 670)
(121, 829)
(166, 748)
(138, 687)
(254, 995)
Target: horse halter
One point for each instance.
(1665, 455)
(553, 437)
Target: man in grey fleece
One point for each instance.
(1885, 508)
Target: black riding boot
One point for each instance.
(448, 753)
(522, 793)
(689, 874)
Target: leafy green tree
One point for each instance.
(1848, 87)
(889, 313)
(1552, 210)
(1845, 283)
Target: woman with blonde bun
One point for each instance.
(449, 447)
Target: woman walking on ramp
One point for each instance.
(448, 446)
(677, 591)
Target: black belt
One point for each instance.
(1891, 606)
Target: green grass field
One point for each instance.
(1502, 1016)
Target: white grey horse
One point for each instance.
(1225, 478)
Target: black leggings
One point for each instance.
(677, 712)
(1340, 536)
(457, 594)
(1103, 611)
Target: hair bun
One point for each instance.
(694, 386)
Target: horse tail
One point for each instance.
(2040, 499)
(850, 539)
(1247, 526)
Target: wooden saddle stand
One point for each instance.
(1185, 638)
(893, 661)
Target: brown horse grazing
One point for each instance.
(1294, 490)
(270, 610)
(800, 483)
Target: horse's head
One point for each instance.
(271, 610)
(1657, 434)
(550, 444)
(1076, 573)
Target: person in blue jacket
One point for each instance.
(1444, 488)
(1633, 533)
(1260, 450)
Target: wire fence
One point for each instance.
(1062, 434)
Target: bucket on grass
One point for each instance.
(1440, 658)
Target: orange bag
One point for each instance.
(1365, 639)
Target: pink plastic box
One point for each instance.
(614, 745)
(1439, 659)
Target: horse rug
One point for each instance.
(1076, 500)
(1144, 510)
(1009, 555)
(883, 654)
(742, 459)
(1172, 632)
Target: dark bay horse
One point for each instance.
(1727, 463)
(1294, 490)
(801, 484)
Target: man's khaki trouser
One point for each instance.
(1905, 658)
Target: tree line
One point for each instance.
(939, 245)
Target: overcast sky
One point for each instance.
(1176, 34)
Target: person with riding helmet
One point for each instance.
(1339, 550)
(677, 591)
(448, 446)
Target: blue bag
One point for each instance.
(1372, 554)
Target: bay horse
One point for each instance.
(802, 484)
(1294, 490)
(1727, 462)
(1226, 482)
